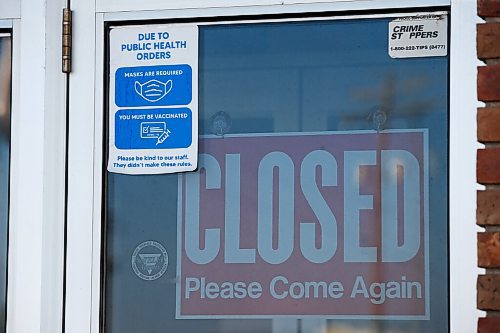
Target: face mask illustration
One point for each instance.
(153, 90)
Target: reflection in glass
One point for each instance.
(282, 78)
(5, 92)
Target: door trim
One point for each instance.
(87, 165)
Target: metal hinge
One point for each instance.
(66, 40)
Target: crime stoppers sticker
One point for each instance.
(418, 36)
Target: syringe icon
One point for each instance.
(163, 136)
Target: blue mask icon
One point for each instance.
(153, 90)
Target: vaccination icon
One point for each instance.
(155, 130)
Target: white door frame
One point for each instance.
(86, 139)
(37, 167)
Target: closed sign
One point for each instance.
(329, 224)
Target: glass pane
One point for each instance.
(294, 88)
(5, 92)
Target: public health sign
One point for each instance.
(153, 102)
(330, 224)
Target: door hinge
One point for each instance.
(66, 40)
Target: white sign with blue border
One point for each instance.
(153, 99)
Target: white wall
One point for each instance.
(10, 9)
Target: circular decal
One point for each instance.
(220, 123)
(149, 260)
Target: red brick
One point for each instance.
(488, 249)
(488, 8)
(488, 124)
(488, 83)
(488, 292)
(488, 207)
(488, 166)
(488, 325)
(488, 40)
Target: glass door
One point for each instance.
(320, 196)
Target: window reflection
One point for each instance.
(5, 92)
(273, 78)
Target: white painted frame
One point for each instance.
(86, 139)
(277, 6)
(37, 167)
(462, 178)
(10, 9)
